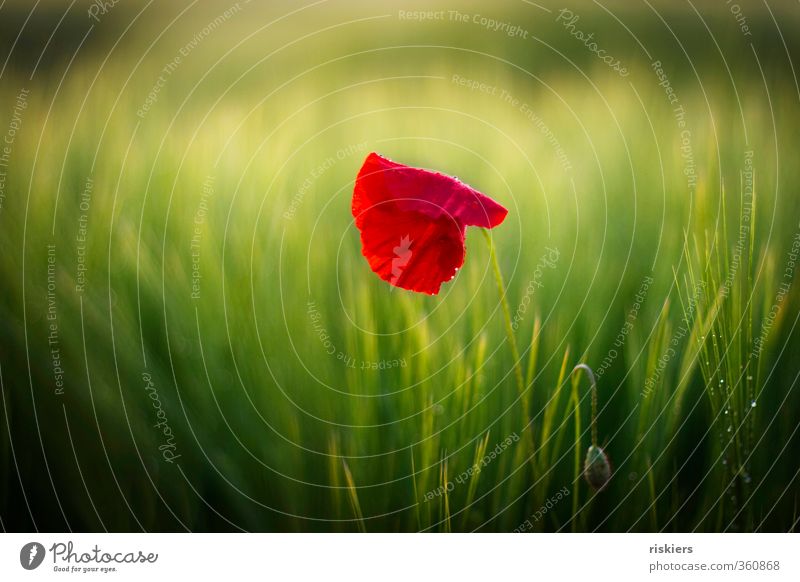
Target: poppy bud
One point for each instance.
(597, 468)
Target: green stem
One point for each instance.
(590, 374)
(576, 401)
(498, 275)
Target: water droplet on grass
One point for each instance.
(752, 404)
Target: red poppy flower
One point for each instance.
(413, 222)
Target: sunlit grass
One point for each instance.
(276, 432)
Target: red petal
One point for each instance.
(431, 193)
(411, 250)
(413, 221)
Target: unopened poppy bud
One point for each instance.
(597, 468)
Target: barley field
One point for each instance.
(191, 338)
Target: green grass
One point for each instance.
(275, 433)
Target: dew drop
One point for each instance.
(752, 404)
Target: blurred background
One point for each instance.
(192, 340)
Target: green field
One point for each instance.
(191, 338)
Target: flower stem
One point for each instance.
(588, 371)
(498, 275)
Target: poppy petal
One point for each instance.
(410, 250)
(413, 222)
(424, 191)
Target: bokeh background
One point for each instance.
(191, 339)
